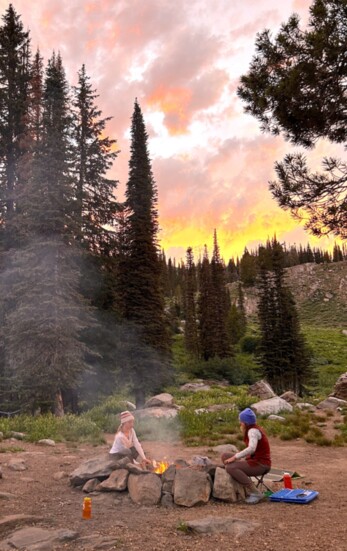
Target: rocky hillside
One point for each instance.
(320, 291)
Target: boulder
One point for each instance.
(262, 390)
(157, 413)
(116, 482)
(17, 465)
(167, 479)
(226, 488)
(289, 396)
(195, 387)
(225, 448)
(46, 442)
(214, 525)
(276, 418)
(36, 539)
(91, 485)
(11, 522)
(216, 407)
(96, 467)
(273, 405)
(145, 489)
(163, 400)
(191, 487)
(332, 403)
(305, 405)
(340, 389)
(17, 435)
(167, 500)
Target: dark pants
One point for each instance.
(131, 453)
(241, 470)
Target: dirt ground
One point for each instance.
(320, 525)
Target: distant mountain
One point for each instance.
(320, 292)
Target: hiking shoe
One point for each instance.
(253, 499)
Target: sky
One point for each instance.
(182, 60)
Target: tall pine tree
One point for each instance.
(143, 300)
(190, 327)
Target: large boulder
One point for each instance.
(214, 525)
(261, 390)
(144, 489)
(163, 400)
(97, 467)
(191, 487)
(226, 488)
(273, 405)
(340, 389)
(157, 413)
(332, 403)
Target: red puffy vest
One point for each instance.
(262, 452)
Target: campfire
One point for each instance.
(159, 467)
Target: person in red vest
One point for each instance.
(254, 460)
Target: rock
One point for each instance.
(227, 489)
(91, 485)
(344, 332)
(167, 479)
(273, 405)
(94, 542)
(276, 418)
(215, 525)
(289, 396)
(200, 461)
(135, 469)
(96, 467)
(17, 465)
(195, 387)
(167, 500)
(332, 403)
(17, 435)
(60, 475)
(37, 539)
(6, 495)
(225, 448)
(340, 389)
(116, 482)
(46, 442)
(163, 400)
(1, 436)
(305, 405)
(191, 487)
(157, 413)
(13, 521)
(262, 390)
(144, 489)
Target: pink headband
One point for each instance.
(126, 416)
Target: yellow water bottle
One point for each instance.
(87, 508)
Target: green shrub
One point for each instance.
(249, 344)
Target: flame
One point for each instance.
(160, 466)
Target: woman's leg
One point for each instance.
(241, 471)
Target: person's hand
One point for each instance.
(230, 460)
(145, 462)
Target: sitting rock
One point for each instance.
(116, 482)
(97, 467)
(163, 400)
(262, 390)
(227, 489)
(200, 461)
(273, 405)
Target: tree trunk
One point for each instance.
(58, 405)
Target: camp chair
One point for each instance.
(260, 481)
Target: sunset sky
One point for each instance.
(183, 61)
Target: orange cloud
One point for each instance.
(174, 103)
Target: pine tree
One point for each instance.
(205, 308)
(94, 154)
(14, 79)
(248, 269)
(221, 303)
(143, 301)
(283, 352)
(190, 327)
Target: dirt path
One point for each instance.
(320, 525)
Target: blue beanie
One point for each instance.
(248, 417)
